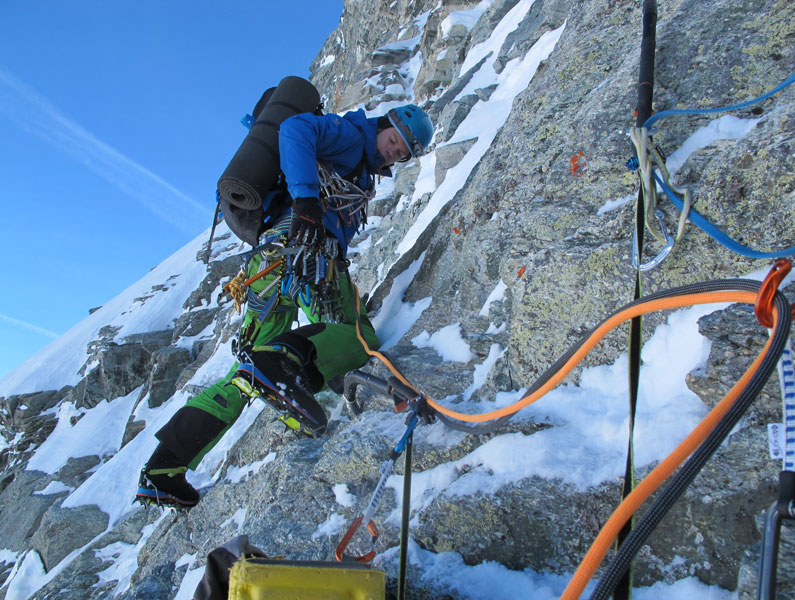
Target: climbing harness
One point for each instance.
(308, 276)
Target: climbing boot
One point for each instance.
(166, 488)
(282, 382)
(163, 482)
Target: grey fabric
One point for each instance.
(215, 583)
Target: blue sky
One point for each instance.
(116, 120)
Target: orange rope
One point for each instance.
(659, 474)
(653, 481)
(584, 349)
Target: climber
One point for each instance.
(287, 367)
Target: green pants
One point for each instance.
(200, 424)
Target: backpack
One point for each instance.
(252, 190)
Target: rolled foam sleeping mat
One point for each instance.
(255, 166)
(245, 224)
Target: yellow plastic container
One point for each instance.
(265, 579)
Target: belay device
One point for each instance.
(251, 175)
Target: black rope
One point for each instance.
(623, 559)
(645, 93)
(404, 520)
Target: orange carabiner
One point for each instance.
(339, 553)
(763, 307)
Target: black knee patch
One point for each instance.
(188, 432)
(315, 378)
(219, 399)
(298, 343)
(308, 331)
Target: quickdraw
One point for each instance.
(404, 398)
(649, 157)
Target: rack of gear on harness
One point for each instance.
(308, 275)
(296, 269)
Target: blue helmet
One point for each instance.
(414, 126)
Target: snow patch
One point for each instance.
(447, 343)
(496, 295)
(343, 496)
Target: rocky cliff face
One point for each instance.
(495, 204)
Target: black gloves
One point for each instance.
(306, 227)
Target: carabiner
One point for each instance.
(669, 245)
(763, 307)
(339, 552)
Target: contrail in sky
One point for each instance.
(31, 111)
(26, 325)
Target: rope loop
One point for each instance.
(342, 196)
(236, 289)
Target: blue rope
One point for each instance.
(705, 111)
(711, 230)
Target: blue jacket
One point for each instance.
(342, 141)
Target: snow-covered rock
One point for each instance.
(484, 261)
